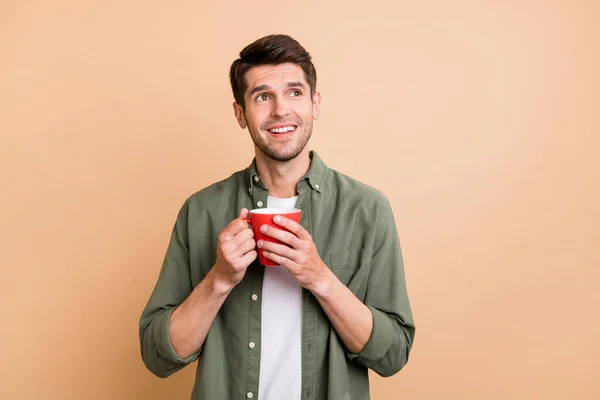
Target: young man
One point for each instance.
(337, 304)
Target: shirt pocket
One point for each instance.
(352, 268)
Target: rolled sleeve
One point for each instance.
(379, 342)
(164, 346)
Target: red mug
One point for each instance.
(264, 216)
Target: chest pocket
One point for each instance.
(352, 269)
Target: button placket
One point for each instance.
(259, 194)
(254, 287)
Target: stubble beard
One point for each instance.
(287, 152)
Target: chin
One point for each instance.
(281, 156)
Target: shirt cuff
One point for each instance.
(379, 342)
(163, 340)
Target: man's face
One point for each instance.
(279, 110)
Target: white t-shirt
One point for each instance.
(281, 330)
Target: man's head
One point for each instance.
(274, 86)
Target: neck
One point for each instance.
(282, 177)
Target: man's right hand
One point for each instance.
(235, 252)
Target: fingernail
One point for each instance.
(277, 219)
(260, 243)
(265, 253)
(263, 228)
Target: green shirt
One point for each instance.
(354, 231)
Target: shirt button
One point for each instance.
(316, 186)
(251, 345)
(254, 297)
(249, 395)
(256, 179)
(259, 203)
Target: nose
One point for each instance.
(280, 108)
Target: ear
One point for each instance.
(316, 105)
(239, 115)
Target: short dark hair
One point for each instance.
(270, 50)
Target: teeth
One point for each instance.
(282, 130)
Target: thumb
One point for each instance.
(244, 213)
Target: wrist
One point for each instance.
(325, 285)
(219, 285)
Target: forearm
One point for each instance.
(351, 319)
(191, 321)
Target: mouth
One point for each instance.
(282, 131)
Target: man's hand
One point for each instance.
(191, 321)
(302, 260)
(235, 252)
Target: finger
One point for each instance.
(286, 262)
(247, 259)
(244, 213)
(292, 226)
(235, 226)
(233, 243)
(281, 235)
(245, 247)
(280, 250)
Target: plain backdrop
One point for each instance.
(478, 120)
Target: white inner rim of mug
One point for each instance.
(275, 211)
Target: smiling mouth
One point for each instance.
(284, 129)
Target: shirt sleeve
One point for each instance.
(389, 345)
(172, 288)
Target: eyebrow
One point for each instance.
(265, 87)
(295, 84)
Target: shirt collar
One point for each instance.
(315, 175)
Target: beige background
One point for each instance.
(479, 120)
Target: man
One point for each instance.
(337, 304)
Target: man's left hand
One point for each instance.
(302, 259)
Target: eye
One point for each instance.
(262, 97)
(295, 93)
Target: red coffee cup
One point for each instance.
(264, 216)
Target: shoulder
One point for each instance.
(353, 190)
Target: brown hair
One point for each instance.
(270, 50)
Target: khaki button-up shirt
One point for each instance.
(354, 231)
